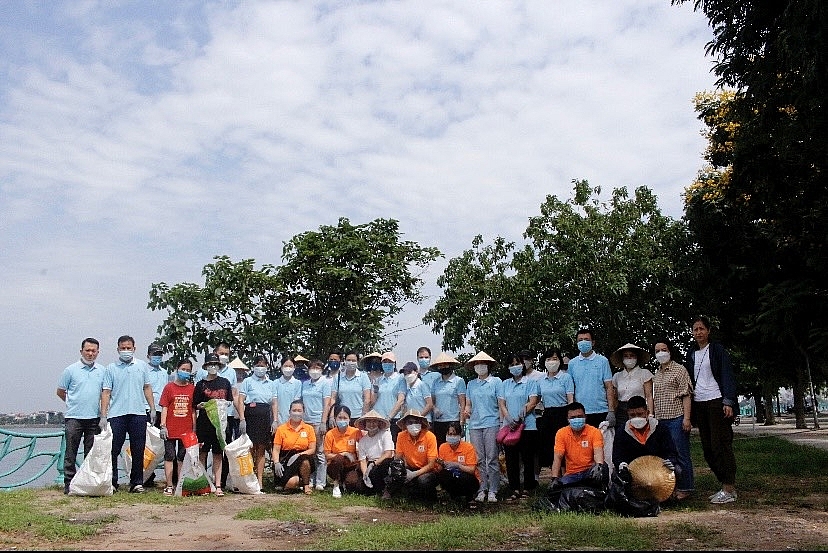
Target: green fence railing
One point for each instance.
(18, 449)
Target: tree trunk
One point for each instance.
(799, 396)
(767, 396)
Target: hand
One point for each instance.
(164, 434)
(201, 405)
(366, 480)
(449, 465)
(623, 466)
(509, 420)
(437, 413)
(242, 427)
(669, 464)
(292, 459)
(273, 426)
(410, 475)
(102, 422)
(348, 455)
(278, 470)
(611, 419)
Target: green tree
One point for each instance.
(339, 287)
(619, 267)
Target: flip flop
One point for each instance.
(219, 492)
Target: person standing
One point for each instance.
(390, 389)
(288, 388)
(260, 406)
(417, 394)
(593, 381)
(557, 390)
(316, 395)
(449, 395)
(517, 405)
(631, 380)
(159, 378)
(672, 398)
(713, 407)
(80, 388)
(126, 385)
(483, 417)
(177, 418)
(352, 387)
(210, 387)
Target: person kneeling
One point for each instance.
(294, 449)
(416, 455)
(458, 465)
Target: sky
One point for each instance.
(139, 139)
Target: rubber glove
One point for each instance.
(242, 427)
(292, 459)
(348, 455)
(410, 475)
(273, 426)
(164, 434)
(611, 419)
(102, 422)
(367, 480)
(669, 464)
(278, 470)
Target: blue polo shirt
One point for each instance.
(257, 390)
(516, 395)
(389, 389)
(483, 394)
(126, 382)
(553, 389)
(589, 375)
(415, 397)
(446, 395)
(286, 392)
(349, 390)
(82, 384)
(158, 379)
(313, 396)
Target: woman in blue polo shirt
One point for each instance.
(258, 396)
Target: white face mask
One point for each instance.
(314, 374)
(414, 428)
(260, 371)
(638, 422)
(212, 369)
(411, 378)
(630, 363)
(662, 356)
(552, 366)
(287, 372)
(350, 366)
(295, 415)
(224, 359)
(482, 369)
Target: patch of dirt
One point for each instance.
(208, 524)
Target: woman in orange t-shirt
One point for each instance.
(294, 449)
(341, 452)
(457, 463)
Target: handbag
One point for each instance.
(508, 437)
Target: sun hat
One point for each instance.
(444, 359)
(412, 414)
(481, 357)
(617, 358)
(238, 364)
(651, 480)
(372, 415)
(372, 354)
(300, 359)
(390, 356)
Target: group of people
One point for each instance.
(364, 426)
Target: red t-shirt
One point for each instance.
(178, 400)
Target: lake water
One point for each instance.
(35, 465)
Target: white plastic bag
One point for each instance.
(609, 436)
(94, 477)
(193, 478)
(241, 470)
(153, 452)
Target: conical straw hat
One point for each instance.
(444, 359)
(481, 357)
(651, 480)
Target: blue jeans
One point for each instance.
(136, 427)
(684, 481)
(77, 430)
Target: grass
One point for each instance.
(771, 471)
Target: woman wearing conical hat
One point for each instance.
(483, 417)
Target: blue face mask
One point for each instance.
(584, 346)
(424, 362)
(388, 368)
(341, 423)
(453, 440)
(516, 370)
(333, 365)
(155, 360)
(183, 375)
(126, 355)
(577, 423)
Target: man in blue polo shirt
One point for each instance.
(80, 388)
(126, 385)
(593, 381)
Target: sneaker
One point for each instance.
(481, 497)
(492, 497)
(337, 492)
(138, 488)
(320, 487)
(723, 497)
(169, 491)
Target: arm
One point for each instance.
(686, 402)
(397, 406)
(150, 398)
(612, 396)
(106, 394)
(429, 405)
(530, 406)
(61, 393)
(598, 454)
(427, 468)
(367, 398)
(570, 397)
(237, 402)
(648, 396)
(467, 410)
(461, 399)
(163, 416)
(557, 461)
(326, 409)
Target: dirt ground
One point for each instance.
(208, 524)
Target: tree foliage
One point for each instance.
(339, 287)
(617, 266)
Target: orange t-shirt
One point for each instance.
(340, 442)
(579, 451)
(417, 453)
(294, 439)
(464, 455)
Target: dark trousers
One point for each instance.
(716, 435)
(525, 452)
(377, 474)
(421, 487)
(440, 430)
(134, 426)
(460, 486)
(594, 419)
(75, 431)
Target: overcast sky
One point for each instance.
(140, 139)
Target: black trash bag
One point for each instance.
(598, 477)
(620, 500)
(585, 496)
(581, 499)
(396, 471)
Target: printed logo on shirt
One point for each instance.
(461, 459)
(303, 434)
(584, 443)
(350, 441)
(421, 448)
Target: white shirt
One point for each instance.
(706, 386)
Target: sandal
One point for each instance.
(308, 490)
(169, 490)
(219, 492)
(524, 494)
(514, 497)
